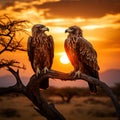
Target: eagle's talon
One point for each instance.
(37, 72)
(77, 74)
(45, 70)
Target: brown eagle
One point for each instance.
(82, 55)
(40, 51)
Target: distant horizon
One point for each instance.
(106, 76)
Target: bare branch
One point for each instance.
(68, 76)
(8, 31)
(8, 42)
(10, 63)
(48, 110)
(18, 87)
(32, 92)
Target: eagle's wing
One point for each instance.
(30, 50)
(50, 54)
(69, 51)
(51, 49)
(88, 56)
(66, 48)
(86, 53)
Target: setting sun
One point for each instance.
(64, 59)
(101, 29)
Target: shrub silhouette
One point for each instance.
(10, 112)
(66, 93)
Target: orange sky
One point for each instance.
(99, 20)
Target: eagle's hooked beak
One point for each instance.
(68, 30)
(45, 29)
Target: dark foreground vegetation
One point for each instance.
(66, 94)
(74, 103)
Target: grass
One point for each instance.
(9, 113)
(82, 108)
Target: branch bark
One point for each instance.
(48, 110)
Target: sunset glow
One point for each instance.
(101, 27)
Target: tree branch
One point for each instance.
(48, 110)
(8, 30)
(17, 88)
(10, 63)
(32, 92)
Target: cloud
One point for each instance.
(67, 8)
(71, 12)
(64, 8)
(80, 8)
(107, 21)
(8, 3)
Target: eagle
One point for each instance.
(82, 55)
(40, 47)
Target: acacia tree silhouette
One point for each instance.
(8, 42)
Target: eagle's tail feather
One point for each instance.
(44, 84)
(37, 72)
(92, 86)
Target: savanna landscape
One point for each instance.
(20, 95)
(17, 107)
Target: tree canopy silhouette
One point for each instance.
(8, 41)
